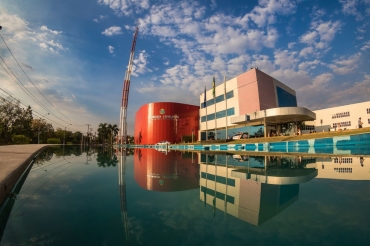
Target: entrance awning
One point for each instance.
(275, 116)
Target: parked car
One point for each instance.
(163, 142)
(240, 135)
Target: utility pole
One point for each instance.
(87, 136)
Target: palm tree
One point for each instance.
(103, 132)
(113, 131)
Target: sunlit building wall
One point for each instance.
(171, 171)
(250, 200)
(342, 167)
(341, 117)
(170, 121)
(247, 93)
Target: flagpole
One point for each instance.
(214, 101)
(225, 103)
(205, 105)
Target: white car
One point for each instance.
(240, 135)
(164, 142)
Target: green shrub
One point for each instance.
(70, 143)
(20, 139)
(53, 141)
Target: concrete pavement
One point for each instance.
(14, 159)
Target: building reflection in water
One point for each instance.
(166, 171)
(342, 167)
(252, 188)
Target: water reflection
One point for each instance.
(252, 188)
(169, 171)
(158, 193)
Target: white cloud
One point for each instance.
(308, 38)
(306, 52)
(267, 11)
(285, 59)
(45, 28)
(126, 6)
(345, 66)
(111, 49)
(113, 30)
(349, 7)
(140, 64)
(321, 81)
(366, 46)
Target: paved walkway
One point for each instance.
(14, 159)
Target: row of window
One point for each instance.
(217, 194)
(342, 160)
(340, 115)
(219, 114)
(342, 170)
(219, 179)
(306, 127)
(368, 110)
(342, 124)
(218, 99)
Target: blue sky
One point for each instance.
(76, 52)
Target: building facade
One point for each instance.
(341, 117)
(170, 121)
(247, 101)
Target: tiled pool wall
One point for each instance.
(349, 144)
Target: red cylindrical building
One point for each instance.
(170, 121)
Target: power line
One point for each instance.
(32, 81)
(6, 93)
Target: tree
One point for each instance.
(14, 120)
(113, 131)
(103, 132)
(41, 129)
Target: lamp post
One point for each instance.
(64, 137)
(38, 134)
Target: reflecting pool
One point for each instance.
(75, 196)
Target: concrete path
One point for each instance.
(14, 159)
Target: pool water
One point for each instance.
(75, 196)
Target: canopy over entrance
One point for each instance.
(275, 116)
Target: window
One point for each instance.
(219, 114)
(285, 99)
(217, 194)
(219, 179)
(343, 160)
(342, 170)
(340, 115)
(342, 124)
(307, 127)
(218, 99)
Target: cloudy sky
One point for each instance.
(72, 55)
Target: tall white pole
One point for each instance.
(205, 105)
(225, 103)
(214, 101)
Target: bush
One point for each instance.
(69, 143)
(53, 141)
(20, 139)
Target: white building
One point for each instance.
(341, 117)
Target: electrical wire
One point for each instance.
(32, 81)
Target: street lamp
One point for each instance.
(64, 137)
(38, 134)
